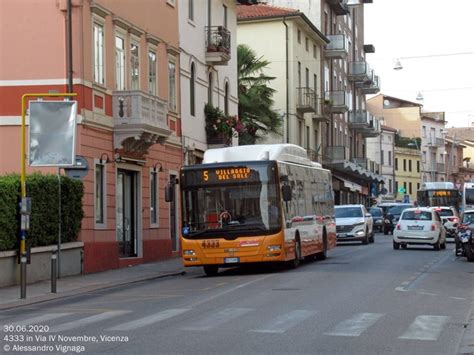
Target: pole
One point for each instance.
(53, 272)
(59, 222)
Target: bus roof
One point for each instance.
(281, 152)
(438, 185)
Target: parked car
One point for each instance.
(377, 216)
(354, 223)
(392, 216)
(420, 225)
(450, 218)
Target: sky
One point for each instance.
(408, 29)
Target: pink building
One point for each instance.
(125, 66)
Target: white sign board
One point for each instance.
(52, 133)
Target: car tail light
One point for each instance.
(398, 227)
(433, 227)
(453, 219)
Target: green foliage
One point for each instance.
(217, 122)
(44, 193)
(406, 142)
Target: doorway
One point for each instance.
(126, 213)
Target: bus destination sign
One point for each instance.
(226, 174)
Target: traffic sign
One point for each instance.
(401, 190)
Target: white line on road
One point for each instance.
(216, 319)
(86, 321)
(356, 325)
(40, 319)
(425, 328)
(286, 321)
(154, 318)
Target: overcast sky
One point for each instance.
(414, 28)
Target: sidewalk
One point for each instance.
(75, 285)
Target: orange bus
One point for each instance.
(253, 204)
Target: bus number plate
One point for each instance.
(210, 244)
(231, 260)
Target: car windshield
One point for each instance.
(445, 212)
(375, 212)
(348, 212)
(416, 216)
(397, 210)
(468, 218)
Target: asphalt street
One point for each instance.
(364, 299)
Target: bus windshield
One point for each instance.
(239, 199)
(441, 197)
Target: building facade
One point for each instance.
(208, 69)
(407, 174)
(124, 68)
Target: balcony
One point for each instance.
(139, 121)
(363, 162)
(217, 45)
(335, 154)
(441, 168)
(360, 72)
(372, 87)
(359, 119)
(307, 100)
(339, 7)
(434, 142)
(337, 101)
(338, 48)
(374, 128)
(322, 111)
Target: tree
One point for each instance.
(255, 97)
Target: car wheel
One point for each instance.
(404, 246)
(443, 245)
(372, 239)
(396, 245)
(437, 245)
(211, 270)
(366, 238)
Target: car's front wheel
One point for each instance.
(396, 245)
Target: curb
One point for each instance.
(82, 290)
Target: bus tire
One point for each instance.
(296, 261)
(324, 254)
(211, 270)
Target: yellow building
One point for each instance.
(407, 173)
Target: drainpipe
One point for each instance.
(287, 83)
(69, 47)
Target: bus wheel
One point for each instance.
(211, 270)
(296, 261)
(324, 254)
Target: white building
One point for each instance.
(433, 146)
(208, 65)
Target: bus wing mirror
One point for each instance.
(286, 193)
(169, 192)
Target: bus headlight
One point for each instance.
(189, 252)
(274, 247)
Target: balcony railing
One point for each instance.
(307, 100)
(435, 142)
(374, 128)
(360, 72)
(336, 153)
(359, 119)
(322, 112)
(337, 101)
(338, 48)
(218, 45)
(363, 162)
(441, 168)
(139, 120)
(372, 87)
(339, 7)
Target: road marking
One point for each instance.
(86, 321)
(286, 321)
(355, 326)
(425, 328)
(40, 319)
(154, 318)
(217, 319)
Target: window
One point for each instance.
(390, 186)
(405, 186)
(299, 36)
(396, 163)
(210, 89)
(307, 138)
(119, 63)
(299, 74)
(226, 99)
(307, 77)
(192, 96)
(306, 44)
(300, 133)
(98, 53)
(315, 83)
(409, 165)
(154, 197)
(314, 51)
(225, 16)
(417, 166)
(100, 194)
(389, 158)
(396, 186)
(134, 66)
(410, 188)
(404, 165)
(381, 157)
(172, 85)
(152, 72)
(417, 185)
(191, 10)
(424, 131)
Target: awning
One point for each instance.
(352, 186)
(351, 168)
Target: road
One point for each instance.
(364, 299)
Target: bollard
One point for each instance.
(23, 262)
(53, 272)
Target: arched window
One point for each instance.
(226, 99)
(192, 97)
(209, 90)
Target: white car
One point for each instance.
(420, 225)
(450, 219)
(354, 223)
